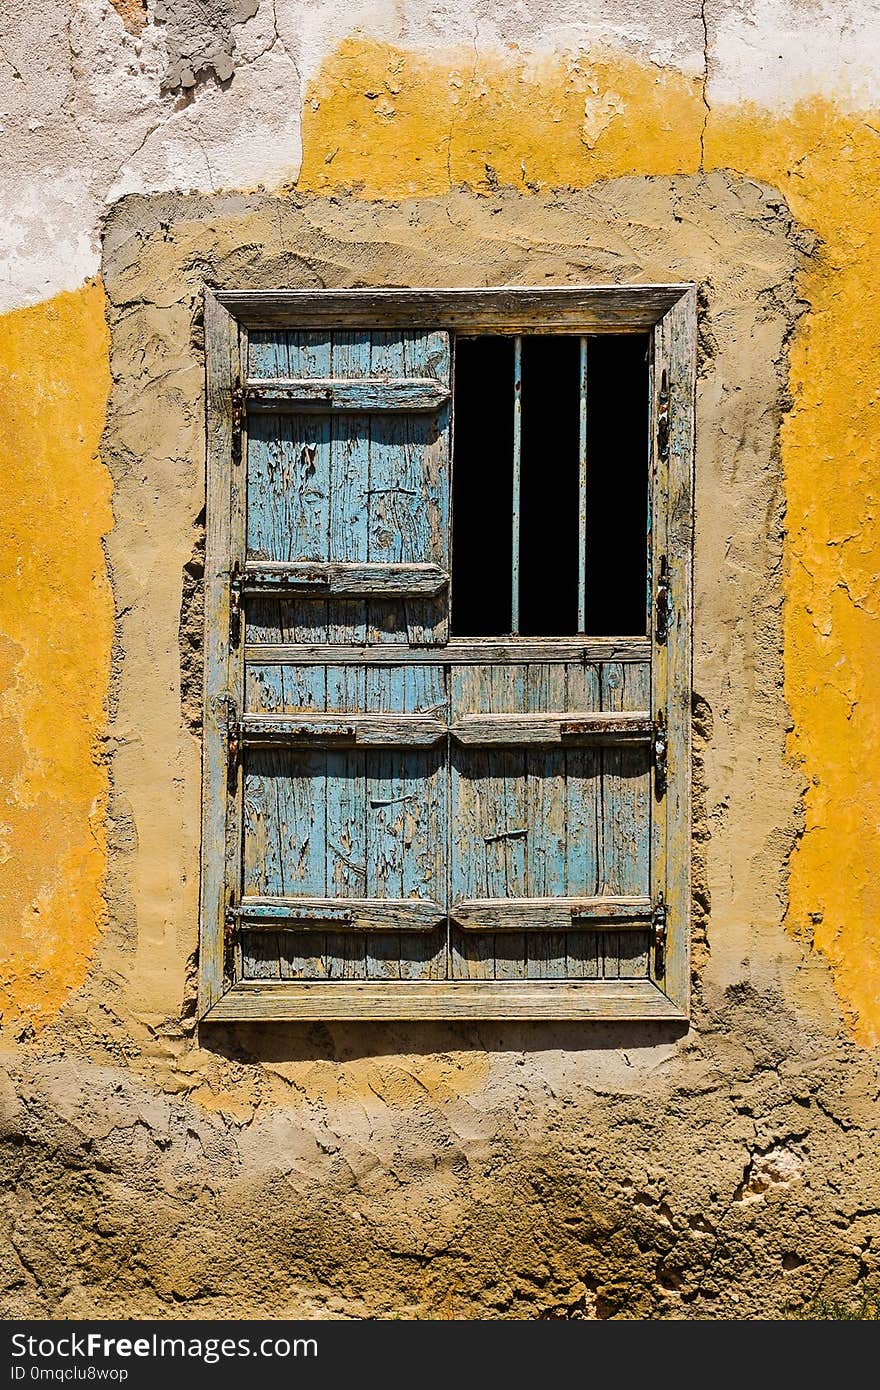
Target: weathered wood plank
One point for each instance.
(427, 619)
(355, 730)
(471, 957)
(545, 816)
(369, 394)
(266, 688)
(556, 914)
(346, 686)
(363, 914)
(505, 797)
(456, 652)
(222, 368)
(345, 579)
(583, 824)
(447, 999)
(260, 957)
(257, 956)
(529, 730)
(346, 804)
(349, 488)
(626, 808)
(306, 688)
(288, 487)
(392, 495)
(675, 354)
(386, 810)
(513, 309)
(423, 783)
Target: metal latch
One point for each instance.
(233, 739)
(316, 580)
(663, 418)
(658, 925)
(236, 587)
(237, 420)
(230, 922)
(663, 604)
(660, 751)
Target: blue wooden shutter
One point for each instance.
(551, 807)
(344, 826)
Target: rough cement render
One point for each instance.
(99, 98)
(200, 38)
(475, 1171)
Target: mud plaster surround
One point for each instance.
(734, 238)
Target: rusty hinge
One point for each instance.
(660, 752)
(658, 926)
(663, 418)
(662, 602)
(237, 420)
(236, 586)
(233, 739)
(230, 922)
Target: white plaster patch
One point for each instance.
(83, 118)
(47, 235)
(243, 137)
(669, 33)
(778, 52)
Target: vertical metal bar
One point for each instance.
(517, 471)
(582, 494)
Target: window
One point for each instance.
(447, 652)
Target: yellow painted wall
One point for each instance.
(387, 123)
(56, 631)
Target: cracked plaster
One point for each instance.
(480, 1172)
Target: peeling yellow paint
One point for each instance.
(386, 123)
(56, 630)
(827, 165)
(393, 124)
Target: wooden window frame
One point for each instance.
(668, 314)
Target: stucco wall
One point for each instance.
(443, 1171)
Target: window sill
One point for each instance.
(350, 1001)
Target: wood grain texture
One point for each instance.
(511, 309)
(675, 354)
(367, 395)
(221, 353)
(558, 728)
(447, 999)
(626, 815)
(362, 914)
(355, 730)
(345, 579)
(554, 914)
(460, 652)
(345, 604)
(545, 691)
(583, 824)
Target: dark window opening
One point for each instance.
(617, 485)
(548, 559)
(482, 486)
(527, 558)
